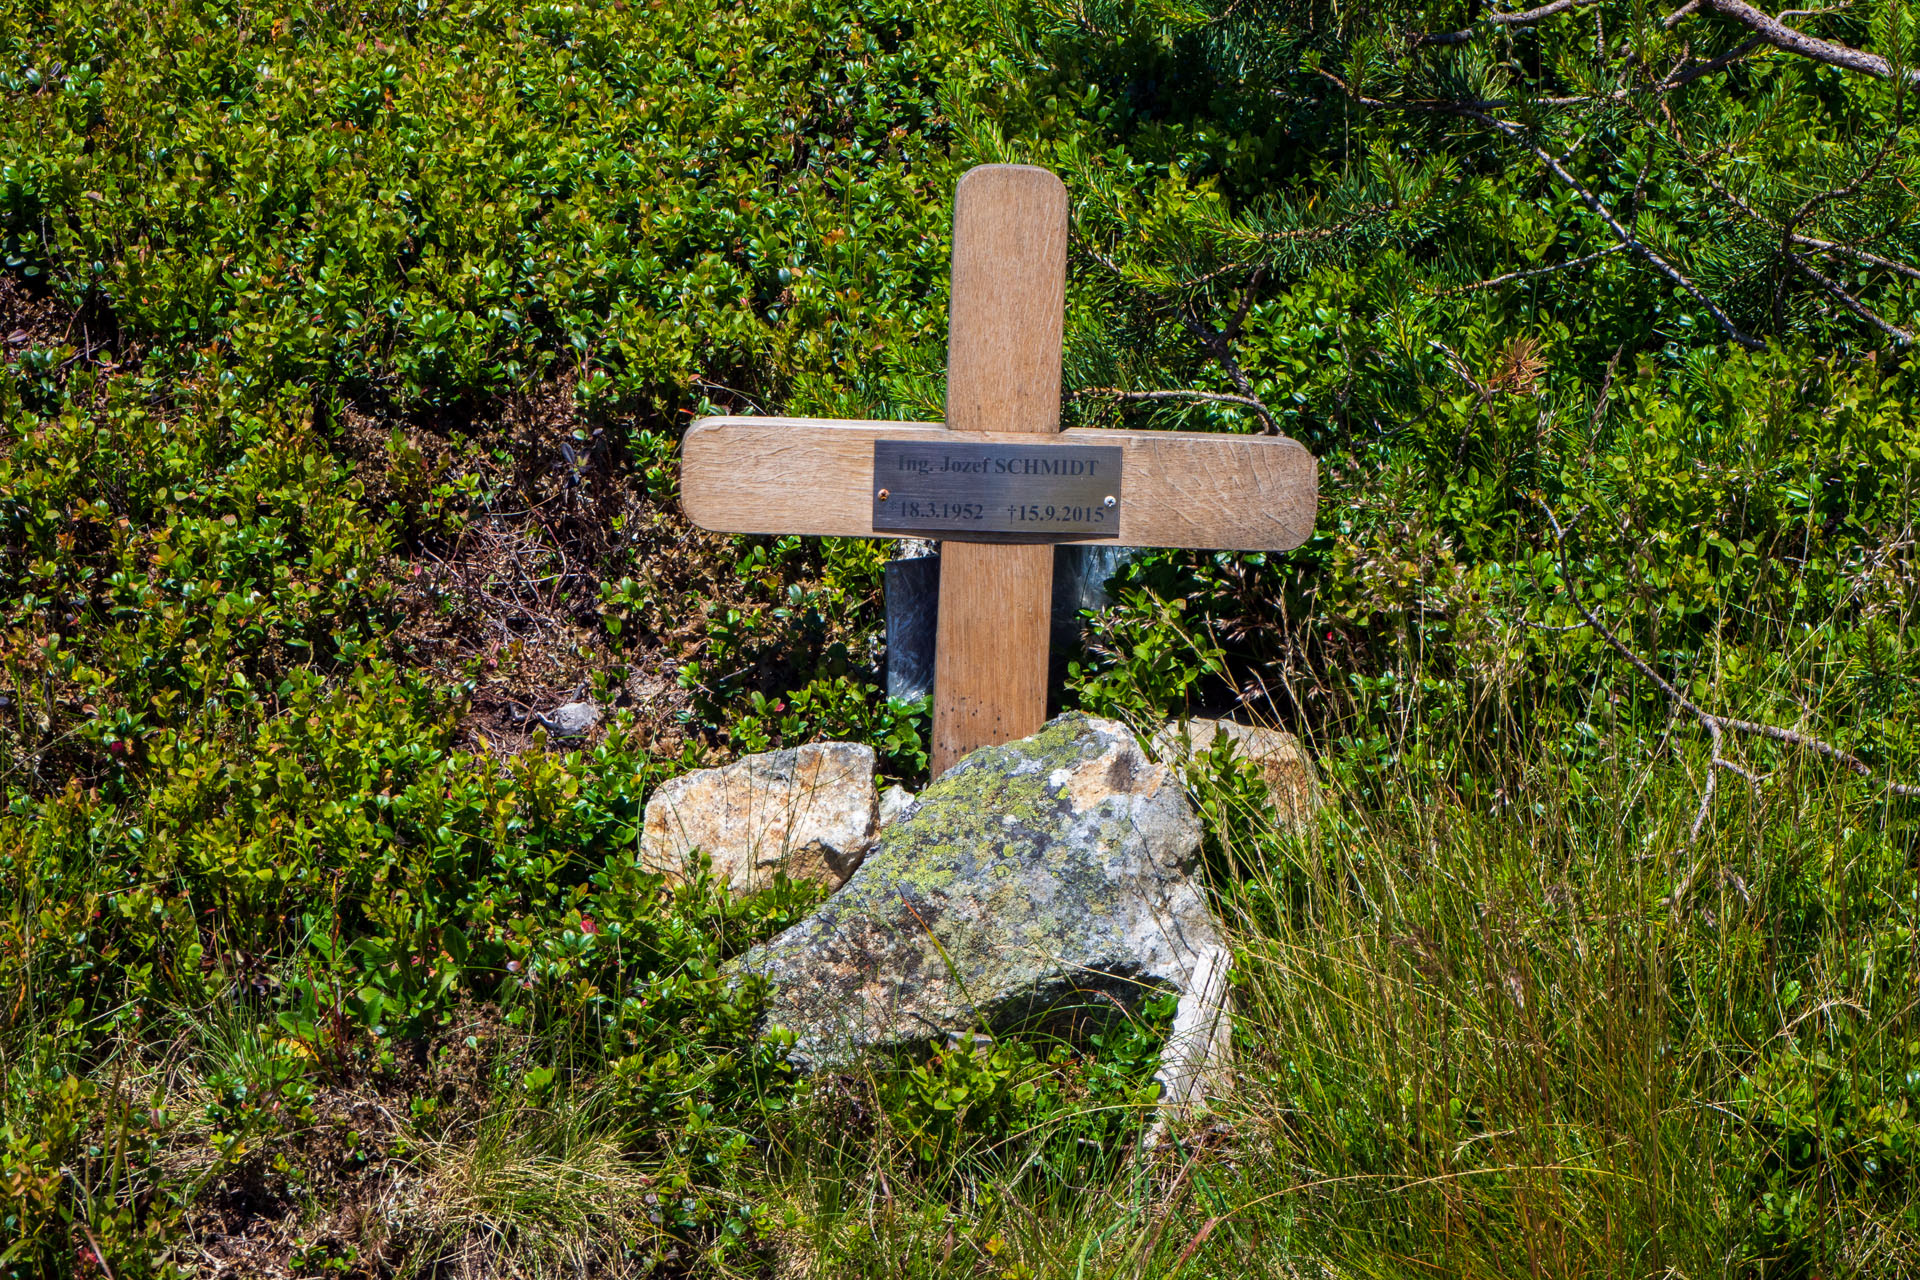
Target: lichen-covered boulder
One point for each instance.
(1046, 872)
(808, 811)
(1278, 755)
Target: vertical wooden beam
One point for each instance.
(1003, 374)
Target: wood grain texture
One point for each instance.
(990, 647)
(1003, 377)
(1009, 300)
(1182, 488)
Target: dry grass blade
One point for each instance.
(529, 1192)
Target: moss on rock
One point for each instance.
(1031, 876)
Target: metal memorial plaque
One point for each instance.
(1004, 490)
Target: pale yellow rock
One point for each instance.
(808, 811)
(1282, 761)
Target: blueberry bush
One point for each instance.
(347, 349)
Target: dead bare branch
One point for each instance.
(1679, 79)
(1781, 36)
(1848, 301)
(1128, 397)
(1531, 17)
(1531, 272)
(1714, 725)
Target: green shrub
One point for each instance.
(348, 352)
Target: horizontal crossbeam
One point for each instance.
(815, 476)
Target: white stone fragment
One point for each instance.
(894, 801)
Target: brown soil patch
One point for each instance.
(34, 319)
(503, 587)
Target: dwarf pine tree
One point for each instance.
(1649, 269)
(1651, 179)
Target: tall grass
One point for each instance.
(1526, 1024)
(1510, 1020)
(1514, 1019)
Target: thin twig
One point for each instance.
(1458, 367)
(1528, 274)
(1712, 784)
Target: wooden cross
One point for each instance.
(991, 497)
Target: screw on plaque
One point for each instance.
(882, 495)
(1108, 500)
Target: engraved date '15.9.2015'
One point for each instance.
(1043, 490)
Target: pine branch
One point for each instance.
(1848, 301)
(1795, 237)
(1858, 255)
(1677, 78)
(1789, 236)
(1328, 232)
(1632, 243)
(1627, 239)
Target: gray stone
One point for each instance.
(1038, 876)
(570, 720)
(808, 811)
(912, 588)
(1282, 761)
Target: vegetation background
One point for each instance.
(347, 347)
